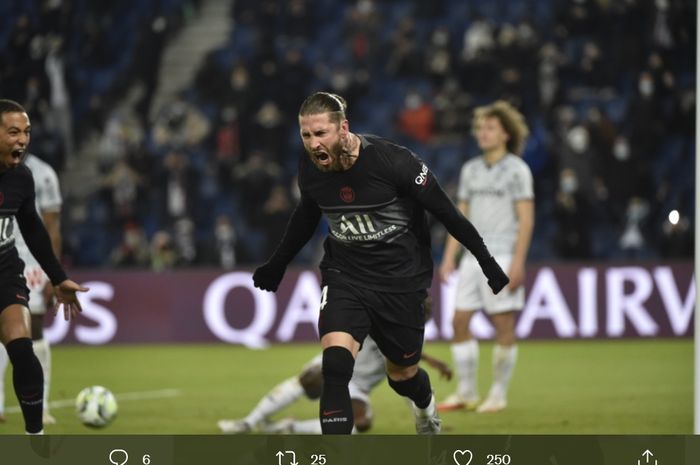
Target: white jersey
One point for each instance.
(491, 192)
(48, 199)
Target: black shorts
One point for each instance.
(395, 321)
(13, 290)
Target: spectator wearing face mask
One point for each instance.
(644, 118)
(572, 214)
(633, 240)
(578, 155)
(620, 175)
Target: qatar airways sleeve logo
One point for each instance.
(422, 178)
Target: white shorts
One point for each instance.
(369, 371)
(474, 293)
(36, 282)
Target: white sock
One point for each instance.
(43, 353)
(427, 412)
(278, 398)
(4, 360)
(504, 359)
(307, 426)
(466, 357)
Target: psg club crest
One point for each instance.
(347, 195)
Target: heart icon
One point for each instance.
(462, 457)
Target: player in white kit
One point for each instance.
(496, 194)
(48, 205)
(368, 373)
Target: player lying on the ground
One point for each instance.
(369, 372)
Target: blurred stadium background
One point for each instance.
(172, 125)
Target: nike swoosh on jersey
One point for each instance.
(331, 412)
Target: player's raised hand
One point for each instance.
(268, 276)
(65, 295)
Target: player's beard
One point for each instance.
(335, 153)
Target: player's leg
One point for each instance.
(40, 296)
(4, 360)
(339, 351)
(414, 383)
(362, 415)
(402, 345)
(505, 354)
(369, 372)
(502, 309)
(311, 378)
(27, 376)
(465, 348)
(42, 349)
(292, 426)
(362, 412)
(274, 401)
(465, 354)
(343, 324)
(281, 396)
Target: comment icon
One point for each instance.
(118, 457)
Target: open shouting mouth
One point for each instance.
(17, 155)
(322, 158)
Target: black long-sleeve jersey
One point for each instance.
(378, 233)
(17, 198)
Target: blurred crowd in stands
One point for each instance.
(207, 179)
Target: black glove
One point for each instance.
(268, 276)
(497, 279)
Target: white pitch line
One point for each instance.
(124, 396)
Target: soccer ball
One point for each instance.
(96, 406)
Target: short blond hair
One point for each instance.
(512, 121)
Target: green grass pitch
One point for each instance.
(562, 387)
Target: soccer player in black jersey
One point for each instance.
(17, 200)
(377, 265)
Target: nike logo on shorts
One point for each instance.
(331, 412)
(410, 355)
(21, 297)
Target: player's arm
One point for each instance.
(52, 223)
(437, 364)
(525, 211)
(424, 188)
(37, 238)
(452, 246)
(39, 243)
(300, 229)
